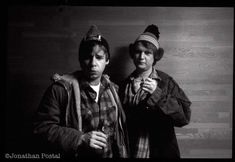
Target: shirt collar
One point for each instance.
(153, 75)
(103, 83)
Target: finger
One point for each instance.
(100, 139)
(144, 86)
(151, 85)
(148, 89)
(145, 89)
(99, 136)
(147, 86)
(97, 147)
(148, 80)
(95, 143)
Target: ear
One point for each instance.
(107, 62)
(160, 53)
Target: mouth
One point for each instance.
(141, 62)
(92, 71)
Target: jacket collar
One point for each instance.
(78, 75)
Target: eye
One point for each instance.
(137, 51)
(100, 57)
(148, 52)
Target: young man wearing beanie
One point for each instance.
(80, 114)
(154, 103)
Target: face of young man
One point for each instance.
(95, 64)
(143, 57)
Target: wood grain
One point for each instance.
(198, 45)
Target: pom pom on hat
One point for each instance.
(153, 29)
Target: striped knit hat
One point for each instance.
(150, 34)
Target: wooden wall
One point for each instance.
(198, 44)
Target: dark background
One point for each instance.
(198, 44)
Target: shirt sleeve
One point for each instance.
(172, 101)
(49, 121)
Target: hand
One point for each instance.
(149, 85)
(97, 139)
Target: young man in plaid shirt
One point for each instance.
(154, 103)
(80, 114)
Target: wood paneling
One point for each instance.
(198, 45)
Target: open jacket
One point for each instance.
(157, 114)
(59, 119)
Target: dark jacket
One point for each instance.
(57, 120)
(167, 107)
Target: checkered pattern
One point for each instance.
(142, 146)
(132, 99)
(98, 115)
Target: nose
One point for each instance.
(142, 55)
(93, 60)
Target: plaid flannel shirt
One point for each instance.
(133, 97)
(99, 115)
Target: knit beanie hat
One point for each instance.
(93, 35)
(150, 34)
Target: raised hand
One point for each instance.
(149, 85)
